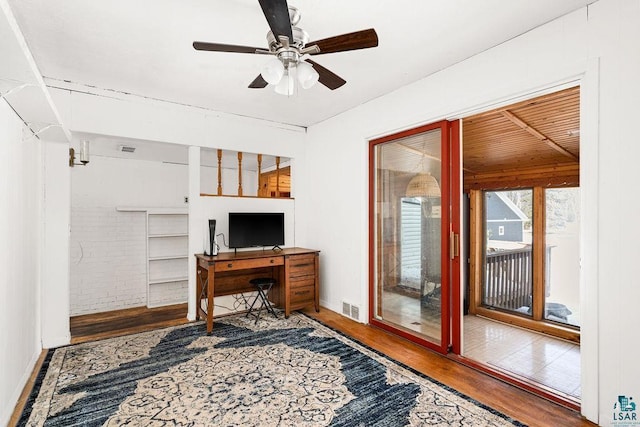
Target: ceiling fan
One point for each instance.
(290, 45)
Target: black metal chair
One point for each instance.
(262, 285)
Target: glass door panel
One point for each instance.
(407, 237)
(508, 266)
(562, 267)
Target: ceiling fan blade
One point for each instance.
(327, 78)
(258, 83)
(219, 47)
(352, 41)
(277, 14)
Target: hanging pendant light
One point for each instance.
(423, 185)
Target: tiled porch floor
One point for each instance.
(548, 361)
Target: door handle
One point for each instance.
(454, 245)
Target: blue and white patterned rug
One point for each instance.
(285, 372)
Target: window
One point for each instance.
(562, 267)
(526, 263)
(508, 281)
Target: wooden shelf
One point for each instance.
(168, 280)
(166, 257)
(154, 236)
(153, 211)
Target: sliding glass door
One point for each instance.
(410, 230)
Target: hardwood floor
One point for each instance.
(91, 327)
(26, 391)
(516, 403)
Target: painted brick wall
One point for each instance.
(169, 293)
(108, 260)
(108, 247)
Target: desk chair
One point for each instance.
(262, 285)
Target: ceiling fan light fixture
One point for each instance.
(273, 71)
(307, 76)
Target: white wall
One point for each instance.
(34, 217)
(54, 282)
(20, 255)
(108, 247)
(218, 208)
(137, 118)
(614, 31)
(598, 49)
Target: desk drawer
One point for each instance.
(301, 282)
(243, 264)
(302, 265)
(303, 295)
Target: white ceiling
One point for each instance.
(144, 47)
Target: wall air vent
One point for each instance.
(351, 310)
(127, 149)
(346, 308)
(355, 312)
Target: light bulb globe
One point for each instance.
(307, 75)
(286, 85)
(273, 71)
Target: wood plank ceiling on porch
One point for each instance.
(531, 143)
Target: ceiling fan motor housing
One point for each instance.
(300, 39)
(288, 53)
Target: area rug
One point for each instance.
(278, 372)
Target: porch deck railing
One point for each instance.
(508, 279)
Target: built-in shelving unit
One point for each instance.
(167, 255)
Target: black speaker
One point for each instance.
(212, 235)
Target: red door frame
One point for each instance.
(456, 219)
(450, 222)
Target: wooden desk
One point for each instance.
(295, 269)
